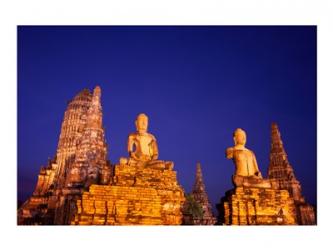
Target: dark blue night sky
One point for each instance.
(196, 84)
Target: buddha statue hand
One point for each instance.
(133, 155)
(229, 153)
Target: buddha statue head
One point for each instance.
(141, 123)
(239, 137)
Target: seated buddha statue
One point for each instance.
(142, 146)
(247, 172)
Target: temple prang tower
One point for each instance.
(91, 151)
(201, 197)
(72, 128)
(80, 160)
(283, 174)
(52, 176)
(86, 166)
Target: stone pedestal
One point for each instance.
(139, 195)
(257, 206)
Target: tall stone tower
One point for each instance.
(283, 174)
(201, 197)
(81, 159)
(52, 176)
(86, 164)
(72, 128)
(91, 151)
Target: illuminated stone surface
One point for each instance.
(258, 206)
(139, 196)
(282, 173)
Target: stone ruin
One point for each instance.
(80, 186)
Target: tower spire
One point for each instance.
(89, 161)
(282, 172)
(199, 185)
(74, 122)
(94, 114)
(91, 152)
(201, 197)
(279, 166)
(81, 160)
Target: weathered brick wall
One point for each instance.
(259, 206)
(116, 205)
(138, 196)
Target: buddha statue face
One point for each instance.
(240, 137)
(141, 123)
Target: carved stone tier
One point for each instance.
(257, 206)
(156, 176)
(45, 181)
(139, 195)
